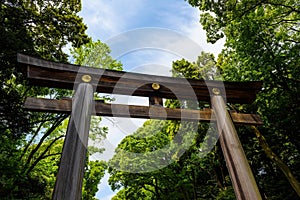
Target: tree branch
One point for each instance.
(34, 135)
(251, 8)
(283, 5)
(283, 167)
(42, 156)
(49, 131)
(49, 155)
(143, 186)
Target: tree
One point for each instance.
(190, 175)
(94, 171)
(262, 43)
(39, 28)
(95, 54)
(31, 142)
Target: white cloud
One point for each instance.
(186, 21)
(147, 46)
(108, 17)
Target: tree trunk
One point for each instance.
(283, 167)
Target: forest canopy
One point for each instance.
(262, 43)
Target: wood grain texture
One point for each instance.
(153, 112)
(66, 76)
(68, 185)
(242, 179)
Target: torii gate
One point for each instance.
(88, 80)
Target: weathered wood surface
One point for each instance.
(154, 112)
(155, 101)
(240, 172)
(58, 75)
(68, 185)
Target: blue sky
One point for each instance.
(110, 20)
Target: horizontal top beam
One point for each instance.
(66, 76)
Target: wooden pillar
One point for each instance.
(240, 172)
(68, 185)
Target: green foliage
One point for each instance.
(262, 43)
(197, 169)
(40, 28)
(45, 167)
(94, 171)
(189, 176)
(204, 68)
(35, 162)
(30, 143)
(96, 135)
(95, 54)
